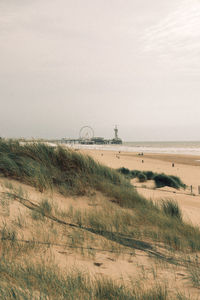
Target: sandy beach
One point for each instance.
(187, 167)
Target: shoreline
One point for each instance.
(189, 149)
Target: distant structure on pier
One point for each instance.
(86, 137)
(116, 139)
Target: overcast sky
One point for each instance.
(69, 63)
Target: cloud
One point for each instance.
(176, 39)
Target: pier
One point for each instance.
(86, 137)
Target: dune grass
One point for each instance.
(69, 172)
(44, 167)
(171, 208)
(44, 280)
(194, 275)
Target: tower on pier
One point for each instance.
(116, 139)
(116, 132)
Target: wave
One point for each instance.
(189, 148)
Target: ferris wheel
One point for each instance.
(86, 133)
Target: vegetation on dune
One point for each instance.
(124, 171)
(178, 181)
(43, 281)
(161, 180)
(142, 177)
(149, 174)
(194, 274)
(70, 172)
(105, 226)
(172, 209)
(44, 167)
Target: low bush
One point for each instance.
(162, 180)
(134, 173)
(142, 177)
(178, 181)
(149, 174)
(124, 171)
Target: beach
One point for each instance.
(102, 227)
(187, 167)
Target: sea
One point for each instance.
(189, 148)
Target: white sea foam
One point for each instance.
(190, 148)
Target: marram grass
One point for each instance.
(44, 167)
(69, 172)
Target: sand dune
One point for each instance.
(73, 248)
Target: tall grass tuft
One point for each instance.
(194, 275)
(45, 207)
(171, 208)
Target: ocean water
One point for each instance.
(191, 148)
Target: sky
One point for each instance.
(69, 63)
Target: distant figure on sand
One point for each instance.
(172, 165)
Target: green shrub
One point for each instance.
(124, 171)
(142, 177)
(149, 174)
(134, 173)
(162, 180)
(178, 181)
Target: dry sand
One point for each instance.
(187, 167)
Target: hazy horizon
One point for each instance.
(67, 64)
